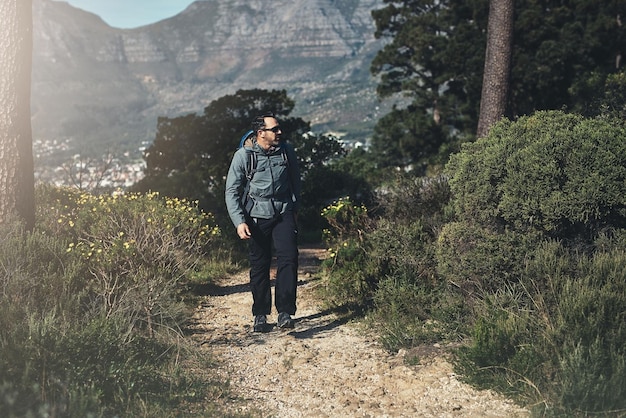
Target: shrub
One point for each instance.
(73, 319)
(412, 305)
(409, 198)
(321, 185)
(386, 266)
(54, 359)
(479, 260)
(136, 247)
(346, 220)
(555, 173)
(558, 335)
(350, 280)
(540, 206)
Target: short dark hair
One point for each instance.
(259, 122)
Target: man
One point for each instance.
(265, 213)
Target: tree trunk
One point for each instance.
(495, 89)
(16, 153)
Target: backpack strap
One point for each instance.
(250, 169)
(251, 163)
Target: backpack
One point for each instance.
(247, 140)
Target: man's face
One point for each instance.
(270, 135)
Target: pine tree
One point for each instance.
(16, 157)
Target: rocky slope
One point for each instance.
(104, 87)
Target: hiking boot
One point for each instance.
(285, 320)
(260, 323)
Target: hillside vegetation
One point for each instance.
(515, 254)
(93, 306)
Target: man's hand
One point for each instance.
(243, 230)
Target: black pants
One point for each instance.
(282, 233)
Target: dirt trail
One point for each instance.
(327, 367)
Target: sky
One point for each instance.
(131, 13)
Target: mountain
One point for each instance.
(97, 88)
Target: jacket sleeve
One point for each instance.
(294, 175)
(235, 181)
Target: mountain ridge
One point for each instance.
(101, 88)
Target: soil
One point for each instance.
(328, 366)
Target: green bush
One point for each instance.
(136, 247)
(559, 333)
(412, 306)
(528, 261)
(478, 260)
(408, 313)
(321, 184)
(538, 249)
(409, 198)
(386, 265)
(349, 278)
(555, 173)
(346, 220)
(55, 358)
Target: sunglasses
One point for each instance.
(275, 129)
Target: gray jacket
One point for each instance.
(274, 189)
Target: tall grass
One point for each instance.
(91, 311)
(558, 337)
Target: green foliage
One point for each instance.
(518, 249)
(478, 260)
(538, 250)
(556, 174)
(614, 100)
(563, 53)
(85, 330)
(438, 68)
(404, 137)
(386, 265)
(322, 185)
(412, 306)
(408, 197)
(346, 219)
(362, 172)
(323, 179)
(558, 337)
(606, 95)
(138, 248)
(337, 175)
(315, 151)
(350, 282)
